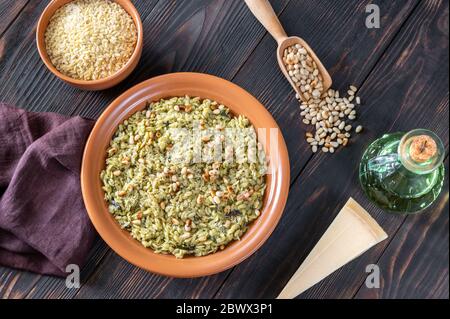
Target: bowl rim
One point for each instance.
(120, 240)
(54, 5)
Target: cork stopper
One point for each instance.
(422, 148)
(421, 151)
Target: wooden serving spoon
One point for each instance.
(263, 11)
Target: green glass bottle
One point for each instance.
(403, 173)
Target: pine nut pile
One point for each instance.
(328, 112)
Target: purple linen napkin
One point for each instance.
(43, 222)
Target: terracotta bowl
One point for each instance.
(180, 84)
(93, 85)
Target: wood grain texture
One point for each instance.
(416, 262)
(21, 284)
(409, 75)
(179, 36)
(349, 62)
(115, 278)
(52, 287)
(16, 284)
(220, 15)
(213, 37)
(265, 74)
(28, 83)
(263, 11)
(402, 68)
(8, 13)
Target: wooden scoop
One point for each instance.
(263, 11)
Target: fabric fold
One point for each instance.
(43, 222)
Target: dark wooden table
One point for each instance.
(402, 70)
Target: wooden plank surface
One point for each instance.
(9, 11)
(208, 62)
(417, 258)
(270, 72)
(394, 96)
(397, 65)
(180, 36)
(349, 62)
(29, 85)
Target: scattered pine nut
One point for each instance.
(328, 115)
(326, 111)
(117, 173)
(358, 129)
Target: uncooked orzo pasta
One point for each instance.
(90, 39)
(187, 207)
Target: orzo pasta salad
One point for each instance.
(167, 182)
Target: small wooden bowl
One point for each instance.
(167, 86)
(93, 85)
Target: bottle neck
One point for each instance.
(421, 151)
